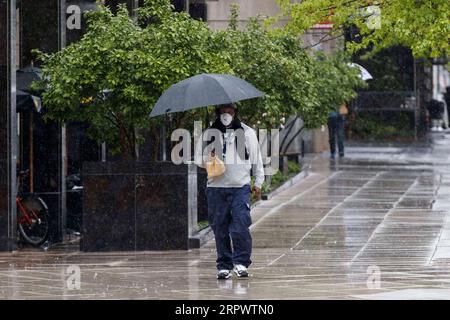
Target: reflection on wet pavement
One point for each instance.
(373, 225)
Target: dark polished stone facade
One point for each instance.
(43, 25)
(3, 127)
(38, 28)
(135, 206)
(7, 126)
(47, 172)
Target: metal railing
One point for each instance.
(385, 101)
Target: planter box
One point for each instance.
(131, 206)
(287, 184)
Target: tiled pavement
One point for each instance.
(371, 226)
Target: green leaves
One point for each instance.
(113, 76)
(123, 66)
(295, 82)
(422, 26)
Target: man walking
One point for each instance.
(336, 125)
(228, 195)
(447, 102)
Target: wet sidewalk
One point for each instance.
(373, 225)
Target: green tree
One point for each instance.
(421, 25)
(295, 82)
(336, 82)
(113, 76)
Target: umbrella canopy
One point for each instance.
(202, 90)
(26, 76)
(364, 74)
(27, 102)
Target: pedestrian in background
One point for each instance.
(447, 102)
(336, 125)
(436, 112)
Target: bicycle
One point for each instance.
(32, 215)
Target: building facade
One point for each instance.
(53, 153)
(49, 151)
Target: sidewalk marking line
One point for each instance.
(331, 176)
(274, 209)
(384, 219)
(271, 211)
(335, 207)
(446, 222)
(274, 261)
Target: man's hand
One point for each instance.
(256, 192)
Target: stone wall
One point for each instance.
(7, 209)
(138, 206)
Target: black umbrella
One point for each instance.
(26, 76)
(27, 102)
(28, 99)
(204, 90)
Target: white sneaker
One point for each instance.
(240, 270)
(223, 274)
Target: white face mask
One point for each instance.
(226, 119)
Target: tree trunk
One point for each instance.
(127, 141)
(156, 141)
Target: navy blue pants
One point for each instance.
(229, 218)
(336, 126)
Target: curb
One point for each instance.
(202, 237)
(206, 234)
(287, 184)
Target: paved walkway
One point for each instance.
(372, 226)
